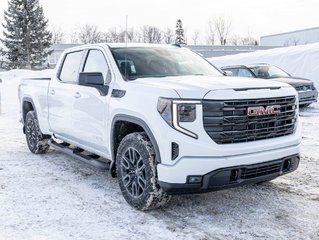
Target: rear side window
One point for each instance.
(96, 62)
(71, 65)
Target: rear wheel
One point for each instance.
(37, 142)
(136, 172)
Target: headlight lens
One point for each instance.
(164, 107)
(177, 111)
(186, 112)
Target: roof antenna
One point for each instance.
(125, 46)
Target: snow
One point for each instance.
(56, 197)
(299, 61)
(18, 74)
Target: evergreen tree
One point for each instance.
(26, 38)
(180, 39)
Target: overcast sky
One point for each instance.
(254, 16)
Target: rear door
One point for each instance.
(62, 95)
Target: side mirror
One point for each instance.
(95, 80)
(228, 73)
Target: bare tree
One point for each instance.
(211, 33)
(89, 34)
(249, 41)
(169, 36)
(57, 35)
(151, 34)
(74, 37)
(195, 36)
(114, 35)
(118, 35)
(131, 35)
(234, 40)
(222, 28)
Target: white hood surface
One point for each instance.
(197, 87)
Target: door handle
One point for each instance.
(52, 91)
(77, 95)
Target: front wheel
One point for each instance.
(136, 172)
(37, 142)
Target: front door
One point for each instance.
(91, 108)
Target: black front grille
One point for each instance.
(304, 87)
(227, 121)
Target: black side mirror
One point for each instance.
(95, 80)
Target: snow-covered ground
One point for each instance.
(56, 197)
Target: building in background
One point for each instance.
(208, 51)
(300, 37)
(56, 51)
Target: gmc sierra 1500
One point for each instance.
(162, 119)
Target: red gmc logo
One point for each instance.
(261, 111)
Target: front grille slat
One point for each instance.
(226, 121)
(248, 173)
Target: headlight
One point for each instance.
(186, 112)
(177, 111)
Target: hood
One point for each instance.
(198, 86)
(294, 81)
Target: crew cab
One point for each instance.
(307, 91)
(162, 119)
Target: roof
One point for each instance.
(246, 65)
(150, 45)
(121, 45)
(297, 31)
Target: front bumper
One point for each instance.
(308, 97)
(199, 165)
(234, 176)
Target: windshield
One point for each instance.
(143, 62)
(268, 72)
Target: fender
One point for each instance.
(29, 100)
(140, 122)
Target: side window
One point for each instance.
(233, 70)
(71, 66)
(96, 62)
(242, 72)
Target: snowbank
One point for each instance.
(18, 74)
(299, 61)
(10, 83)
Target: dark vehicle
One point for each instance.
(305, 87)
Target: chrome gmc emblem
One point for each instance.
(262, 111)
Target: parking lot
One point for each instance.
(56, 197)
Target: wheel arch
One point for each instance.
(27, 105)
(139, 123)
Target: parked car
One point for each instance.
(306, 90)
(162, 119)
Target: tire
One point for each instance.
(137, 175)
(37, 142)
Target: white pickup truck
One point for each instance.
(163, 120)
